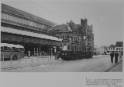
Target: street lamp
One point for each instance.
(84, 37)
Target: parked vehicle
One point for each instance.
(11, 52)
(67, 54)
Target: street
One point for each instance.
(116, 68)
(99, 63)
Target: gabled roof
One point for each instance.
(119, 44)
(19, 13)
(76, 27)
(60, 28)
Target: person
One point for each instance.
(112, 56)
(58, 54)
(116, 57)
(120, 55)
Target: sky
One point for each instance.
(106, 16)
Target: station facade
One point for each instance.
(20, 27)
(78, 37)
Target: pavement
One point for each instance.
(100, 63)
(116, 68)
(28, 62)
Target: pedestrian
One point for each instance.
(58, 54)
(120, 55)
(112, 56)
(116, 56)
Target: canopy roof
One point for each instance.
(19, 13)
(11, 45)
(28, 33)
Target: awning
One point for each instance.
(11, 45)
(28, 33)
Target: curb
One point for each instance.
(113, 66)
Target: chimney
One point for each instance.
(82, 21)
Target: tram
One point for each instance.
(75, 52)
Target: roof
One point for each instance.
(28, 33)
(16, 12)
(76, 28)
(60, 28)
(119, 44)
(11, 45)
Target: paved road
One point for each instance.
(96, 64)
(116, 68)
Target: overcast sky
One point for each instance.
(107, 16)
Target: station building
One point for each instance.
(78, 37)
(20, 27)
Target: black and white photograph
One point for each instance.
(61, 43)
(62, 35)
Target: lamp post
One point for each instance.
(85, 39)
(55, 51)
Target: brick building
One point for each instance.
(78, 37)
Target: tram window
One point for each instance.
(6, 48)
(21, 49)
(116, 49)
(14, 49)
(2, 48)
(121, 49)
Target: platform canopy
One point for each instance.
(28, 33)
(11, 45)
